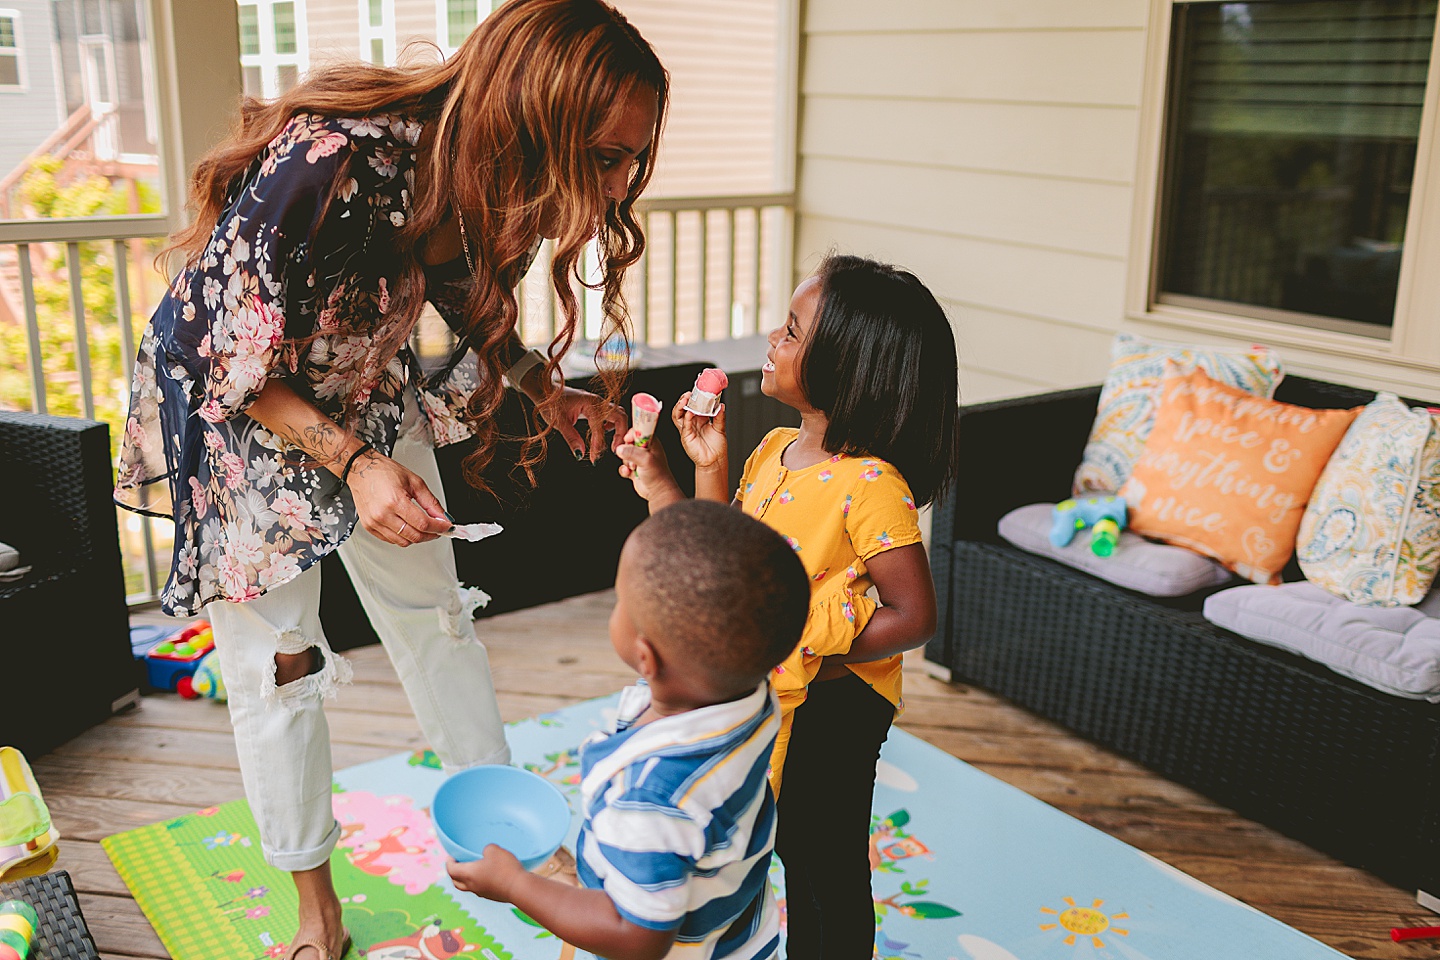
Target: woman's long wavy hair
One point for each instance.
(512, 121)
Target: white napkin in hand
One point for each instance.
(473, 531)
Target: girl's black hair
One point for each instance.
(880, 364)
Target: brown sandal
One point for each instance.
(320, 947)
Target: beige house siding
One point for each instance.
(723, 59)
(992, 148)
(334, 30)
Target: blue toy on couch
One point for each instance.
(1106, 516)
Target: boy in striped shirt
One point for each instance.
(674, 851)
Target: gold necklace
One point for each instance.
(465, 241)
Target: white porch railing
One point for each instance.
(715, 268)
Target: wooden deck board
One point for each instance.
(170, 756)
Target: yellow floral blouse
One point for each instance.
(836, 515)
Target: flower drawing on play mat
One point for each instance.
(1076, 923)
(225, 838)
(388, 837)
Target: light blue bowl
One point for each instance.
(509, 807)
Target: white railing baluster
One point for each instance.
(643, 328)
(729, 317)
(674, 288)
(82, 339)
(122, 308)
(32, 329)
(755, 275)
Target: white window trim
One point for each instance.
(385, 33)
(267, 59)
(23, 85)
(1414, 340)
(442, 23)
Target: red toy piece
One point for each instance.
(1413, 933)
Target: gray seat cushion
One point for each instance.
(1155, 569)
(1394, 649)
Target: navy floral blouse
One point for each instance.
(286, 287)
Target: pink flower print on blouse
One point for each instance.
(848, 609)
(807, 651)
(821, 575)
(908, 502)
(794, 544)
(872, 471)
(850, 573)
(325, 146)
(845, 507)
(884, 539)
(825, 476)
(780, 668)
(787, 496)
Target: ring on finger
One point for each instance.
(403, 524)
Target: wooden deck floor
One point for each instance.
(170, 757)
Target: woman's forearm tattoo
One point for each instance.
(324, 442)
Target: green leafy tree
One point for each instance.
(46, 194)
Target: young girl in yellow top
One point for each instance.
(867, 357)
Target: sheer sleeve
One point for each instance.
(236, 306)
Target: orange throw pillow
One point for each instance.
(1228, 474)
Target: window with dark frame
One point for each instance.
(1291, 136)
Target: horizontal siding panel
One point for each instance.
(1060, 141)
(982, 386)
(1052, 214)
(1074, 291)
(1028, 349)
(868, 16)
(1088, 67)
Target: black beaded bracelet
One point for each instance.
(345, 474)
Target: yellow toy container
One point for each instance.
(29, 843)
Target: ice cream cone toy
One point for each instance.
(705, 398)
(644, 415)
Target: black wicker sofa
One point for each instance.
(1345, 768)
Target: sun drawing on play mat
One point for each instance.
(1084, 922)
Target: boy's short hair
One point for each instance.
(722, 588)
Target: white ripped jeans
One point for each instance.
(423, 617)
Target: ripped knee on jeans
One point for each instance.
(302, 667)
(290, 667)
(458, 619)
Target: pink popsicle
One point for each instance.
(712, 380)
(645, 414)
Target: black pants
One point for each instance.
(823, 834)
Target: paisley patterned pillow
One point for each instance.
(1371, 533)
(1127, 400)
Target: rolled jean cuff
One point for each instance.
(297, 860)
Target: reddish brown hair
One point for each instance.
(513, 120)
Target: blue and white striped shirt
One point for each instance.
(680, 824)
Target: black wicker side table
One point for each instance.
(62, 934)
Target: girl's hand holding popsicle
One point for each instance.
(702, 437)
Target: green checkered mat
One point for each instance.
(965, 867)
